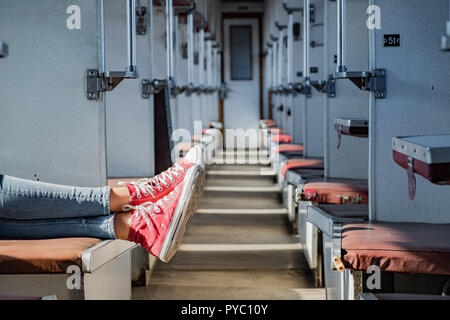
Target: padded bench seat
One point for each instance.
(302, 164)
(416, 248)
(298, 176)
(42, 256)
(285, 152)
(336, 192)
(282, 138)
(40, 268)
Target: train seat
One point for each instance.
(72, 268)
(414, 248)
(282, 138)
(285, 152)
(300, 169)
(348, 192)
(265, 124)
(317, 224)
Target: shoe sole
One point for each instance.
(187, 205)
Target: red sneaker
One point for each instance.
(156, 188)
(159, 226)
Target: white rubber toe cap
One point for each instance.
(195, 155)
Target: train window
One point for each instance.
(241, 52)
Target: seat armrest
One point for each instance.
(104, 252)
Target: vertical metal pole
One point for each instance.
(190, 27)
(280, 58)
(131, 35)
(270, 68)
(102, 37)
(169, 39)
(209, 63)
(306, 36)
(219, 67)
(274, 64)
(175, 50)
(151, 36)
(341, 35)
(201, 55)
(290, 49)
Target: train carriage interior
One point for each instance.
(322, 135)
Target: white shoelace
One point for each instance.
(146, 209)
(147, 186)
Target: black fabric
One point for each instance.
(163, 131)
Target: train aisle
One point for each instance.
(239, 245)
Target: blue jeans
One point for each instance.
(36, 210)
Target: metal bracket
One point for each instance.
(97, 82)
(3, 49)
(374, 81)
(149, 88)
(141, 21)
(336, 251)
(291, 10)
(279, 26)
(326, 86)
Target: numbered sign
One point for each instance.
(392, 40)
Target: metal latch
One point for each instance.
(97, 82)
(326, 86)
(411, 179)
(141, 20)
(374, 81)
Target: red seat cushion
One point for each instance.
(416, 248)
(275, 131)
(351, 192)
(282, 138)
(301, 164)
(288, 148)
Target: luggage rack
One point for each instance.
(427, 155)
(351, 127)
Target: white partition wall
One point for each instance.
(418, 102)
(129, 117)
(314, 105)
(351, 160)
(50, 131)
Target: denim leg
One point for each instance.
(29, 200)
(98, 227)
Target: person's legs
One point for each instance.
(160, 208)
(31, 200)
(115, 226)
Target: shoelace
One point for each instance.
(146, 209)
(147, 186)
